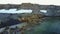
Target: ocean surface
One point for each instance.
(51, 25)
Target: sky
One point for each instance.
(44, 2)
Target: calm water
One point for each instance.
(49, 26)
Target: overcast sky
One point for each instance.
(45, 2)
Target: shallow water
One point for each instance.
(50, 25)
